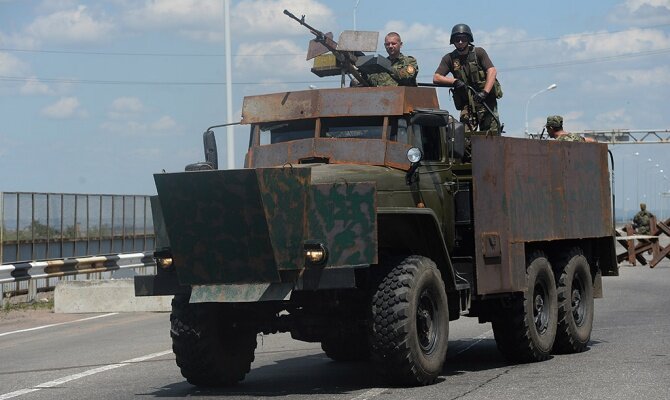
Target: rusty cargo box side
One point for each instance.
(531, 191)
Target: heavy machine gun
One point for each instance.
(346, 55)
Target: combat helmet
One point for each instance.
(461, 29)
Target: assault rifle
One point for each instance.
(346, 59)
(473, 119)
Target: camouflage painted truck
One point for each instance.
(356, 223)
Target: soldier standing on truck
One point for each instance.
(405, 68)
(471, 66)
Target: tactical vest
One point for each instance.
(472, 74)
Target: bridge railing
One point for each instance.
(53, 228)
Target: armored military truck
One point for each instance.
(359, 222)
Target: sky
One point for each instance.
(96, 96)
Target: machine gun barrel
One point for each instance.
(346, 58)
(320, 36)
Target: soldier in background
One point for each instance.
(470, 66)
(642, 220)
(555, 130)
(405, 68)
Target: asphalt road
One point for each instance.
(120, 356)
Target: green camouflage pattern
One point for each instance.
(570, 137)
(554, 121)
(343, 217)
(284, 202)
(642, 222)
(245, 226)
(405, 71)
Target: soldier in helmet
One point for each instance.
(405, 68)
(470, 66)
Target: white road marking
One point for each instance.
(60, 323)
(84, 374)
(368, 395)
(479, 338)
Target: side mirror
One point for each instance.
(211, 153)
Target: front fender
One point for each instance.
(414, 230)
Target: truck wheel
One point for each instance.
(347, 348)
(208, 352)
(575, 305)
(525, 332)
(410, 327)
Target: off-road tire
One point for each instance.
(525, 331)
(410, 329)
(347, 348)
(575, 304)
(209, 350)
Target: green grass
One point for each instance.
(36, 305)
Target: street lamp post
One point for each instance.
(355, 9)
(230, 138)
(550, 87)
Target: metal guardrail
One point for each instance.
(45, 237)
(32, 272)
(43, 226)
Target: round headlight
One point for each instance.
(414, 155)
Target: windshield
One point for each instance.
(335, 128)
(278, 132)
(359, 128)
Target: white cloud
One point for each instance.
(615, 118)
(253, 59)
(202, 20)
(598, 44)
(127, 104)
(634, 5)
(416, 34)
(635, 78)
(68, 26)
(11, 66)
(125, 108)
(163, 126)
(34, 86)
(163, 14)
(641, 12)
(263, 17)
(65, 107)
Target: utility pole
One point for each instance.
(229, 87)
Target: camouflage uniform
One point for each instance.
(642, 220)
(570, 137)
(555, 122)
(405, 70)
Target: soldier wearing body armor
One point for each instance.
(405, 68)
(470, 66)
